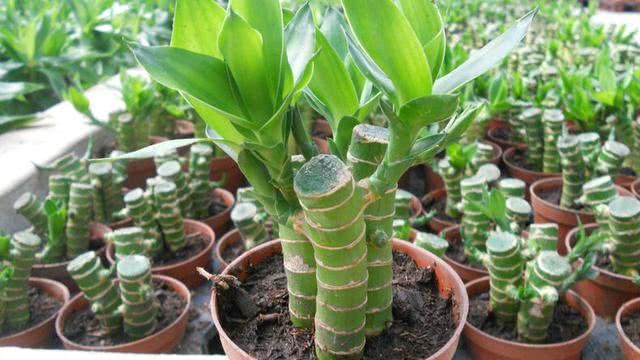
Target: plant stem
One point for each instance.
(16, 291)
(553, 121)
(475, 224)
(32, 209)
(597, 194)
(624, 220)
(532, 119)
(79, 219)
(171, 171)
(572, 171)
(136, 290)
(452, 178)
(505, 270)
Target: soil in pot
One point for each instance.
(41, 306)
(195, 244)
(82, 327)
(631, 327)
(554, 195)
(423, 321)
(567, 323)
(233, 251)
(455, 252)
(439, 204)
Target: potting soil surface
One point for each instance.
(41, 307)
(195, 244)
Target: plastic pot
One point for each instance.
(161, 342)
(609, 290)
(528, 176)
(435, 224)
(504, 144)
(628, 349)
(58, 271)
(467, 273)
(185, 270)
(220, 222)
(41, 334)
(225, 165)
(448, 283)
(483, 346)
(547, 212)
(229, 239)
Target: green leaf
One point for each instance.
(342, 135)
(456, 127)
(12, 90)
(486, 58)
(387, 37)
(300, 42)
(428, 110)
(79, 101)
(12, 122)
(332, 27)
(5, 242)
(369, 69)
(196, 26)
(241, 46)
(152, 150)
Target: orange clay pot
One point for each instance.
(467, 273)
(609, 290)
(483, 346)
(220, 222)
(435, 224)
(41, 334)
(628, 349)
(449, 284)
(504, 144)
(528, 176)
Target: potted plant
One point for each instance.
(557, 200)
(514, 315)
(626, 319)
(618, 277)
(175, 244)
(338, 260)
(28, 305)
(137, 313)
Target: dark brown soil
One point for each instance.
(567, 323)
(41, 306)
(195, 244)
(503, 134)
(519, 159)
(631, 327)
(439, 205)
(422, 324)
(216, 206)
(553, 196)
(455, 252)
(83, 328)
(233, 251)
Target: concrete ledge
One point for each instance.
(15, 353)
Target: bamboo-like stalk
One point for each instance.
(573, 171)
(511, 187)
(139, 307)
(518, 213)
(452, 177)
(250, 223)
(200, 185)
(59, 186)
(107, 198)
(624, 220)
(131, 241)
(32, 209)
(543, 237)
(15, 297)
(597, 194)
(611, 158)
(333, 208)
(166, 156)
(171, 171)
(475, 224)
(589, 144)
(532, 120)
(635, 149)
(431, 242)
(73, 167)
(95, 282)
(169, 216)
(131, 135)
(491, 174)
(140, 208)
(368, 146)
(482, 156)
(119, 167)
(79, 217)
(553, 121)
(402, 204)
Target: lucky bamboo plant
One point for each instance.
(542, 130)
(334, 221)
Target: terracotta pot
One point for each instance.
(625, 181)
(226, 165)
(483, 346)
(220, 222)
(433, 180)
(161, 342)
(449, 284)
(504, 144)
(528, 176)
(58, 271)
(415, 207)
(467, 273)
(435, 224)
(496, 123)
(229, 239)
(628, 349)
(609, 290)
(184, 129)
(185, 270)
(41, 334)
(635, 188)
(567, 219)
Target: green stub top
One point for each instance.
(125, 118)
(530, 113)
(133, 267)
(320, 176)
(567, 142)
(589, 139)
(243, 211)
(617, 148)
(164, 187)
(100, 169)
(169, 169)
(24, 201)
(26, 239)
(490, 172)
(518, 206)
(365, 133)
(134, 195)
(502, 243)
(473, 182)
(553, 266)
(432, 243)
(511, 187)
(599, 190)
(80, 262)
(553, 115)
(624, 207)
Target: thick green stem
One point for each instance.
(544, 276)
(431, 242)
(452, 177)
(169, 216)
(131, 135)
(72, 167)
(368, 146)
(611, 158)
(573, 171)
(504, 262)
(250, 223)
(16, 291)
(510, 187)
(532, 120)
(172, 172)
(334, 211)
(96, 285)
(201, 186)
(517, 129)
(635, 157)
(597, 194)
(79, 218)
(518, 213)
(131, 241)
(475, 224)
(107, 198)
(402, 204)
(140, 208)
(542, 237)
(32, 209)
(482, 156)
(589, 144)
(139, 307)
(490, 172)
(166, 156)
(553, 121)
(59, 186)
(119, 168)
(624, 219)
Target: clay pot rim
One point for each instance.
(227, 198)
(635, 188)
(415, 207)
(208, 232)
(556, 182)
(497, 151)
(573, 233)
(625, 310)
(175, 285)
(463, 266)
(105, 229)
(457, 285)
(40, 282)
(492, 138)
(509, 154)
(223, 241)
(590, 318)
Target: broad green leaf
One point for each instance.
(78, 100)
(387, 37)
(196, 26)
(427, 145)
(152, 150)
(428, 110)
(368, 68)
(229, 148)
(486, 58)
(241, 46)
(219, 122)
(265, 16)
(13, 122)
(368, 107)
(426, 21)
(331, 83)
(343, 134)
(300, 42)
(12, 90)
(332, 27)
